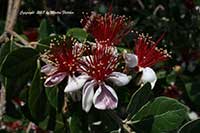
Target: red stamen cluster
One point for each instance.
(64, 54)
(108, 29)
(148, 53)
(100, 64)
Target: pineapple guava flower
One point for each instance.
(146, 54)
(100, 67)
(62, 60)
(108, 29)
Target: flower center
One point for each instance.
(64, 55)
(108, 29)
(100, 64)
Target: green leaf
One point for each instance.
(53, 121)
(59, 124)
(19, 61)
(44, 124)
(74, 123)
(5, 49)
(190, 127)
(193, 92)
(43, 29)
(14, 86)
(161, 115)
(78, 33)
(52, 96)
(138, 99)
(37, 99)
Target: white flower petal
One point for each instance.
(148, 75)
(48, 69)
(119, 79)
(75, 83)
(131, 60)
(105, 98)
(54, 79)
(88, 93)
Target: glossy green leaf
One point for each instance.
(74, 123)
(53, 121)
(161, 115)
(138, 99)
(37, 99)
(59, 124)
(78, 33)
(19, 61)
(5, 49)
(193, 92)
(190, 127)
(43, 29)
(52, 96)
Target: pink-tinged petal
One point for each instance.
(119, 79)
(48, 69)
(54, 79)
(88, 93)
(75, 83)
(131, 60)
(105, 98)
(148, 75)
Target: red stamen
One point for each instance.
(100, 64)
(148, 53)
(108, 29)
(64, 54)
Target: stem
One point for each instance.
(3, 37)
(19, 37)
(11, 18)
(9, 10)
(2, 101)
(14, 14)
(29, 127)
(158, 8)
(141, 4)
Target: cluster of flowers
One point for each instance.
(92, 66)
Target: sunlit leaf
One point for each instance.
(78, 33)
(161, 115)
(37, 98)
(138, 99)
